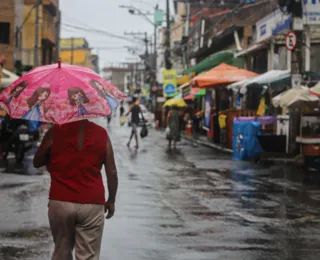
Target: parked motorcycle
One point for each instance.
(20, 142)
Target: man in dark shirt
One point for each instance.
(134, 110)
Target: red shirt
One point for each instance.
(76, 176)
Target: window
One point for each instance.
(4, 33)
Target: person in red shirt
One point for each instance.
(74, 154)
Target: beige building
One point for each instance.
(11, 17)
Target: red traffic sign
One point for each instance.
(291, 40)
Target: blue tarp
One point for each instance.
(245, 141)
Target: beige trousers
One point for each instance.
(76, 226)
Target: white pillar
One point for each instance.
(289, 55)
(307, 49)
(271, 56)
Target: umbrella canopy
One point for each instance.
(195, 92)
(222, 74)
(179, 102)
(59, 94)
(270, 77)
(315, 90)
(295, 97)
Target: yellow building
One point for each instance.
(48, 12)
(76, 51)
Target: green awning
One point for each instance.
(214, 60)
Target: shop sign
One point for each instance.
(311, 12)
(158, 17)
(272, 24)
(169, 83)
(161, 99)
(186, 91)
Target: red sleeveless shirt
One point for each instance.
(76, 175)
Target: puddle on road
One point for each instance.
(13, 185)
(25, 244)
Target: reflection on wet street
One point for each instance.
(189, 204)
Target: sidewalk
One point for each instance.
(203, 140)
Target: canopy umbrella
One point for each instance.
(179, 102)
(59, 94)
(295, 97)
(195, 92)
(270, 77)
(222, 74)
(315, 90)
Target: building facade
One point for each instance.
(11, 18)
(118, 75)
(48, 13)
(76, 51)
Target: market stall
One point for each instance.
(301, 100)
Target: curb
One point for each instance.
(217, 147)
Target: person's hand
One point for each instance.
(109, 209)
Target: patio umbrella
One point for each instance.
(285, 97)
(315, 90)
(179, 102)
(295, 97)
(59, 94)
(195, 92)
(222, 74)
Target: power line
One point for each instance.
(94, 30)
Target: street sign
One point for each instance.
(186, 91)
(154, 88)
(291, 40)
(296, 80)
(169, 83)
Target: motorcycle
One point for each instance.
(20, 143)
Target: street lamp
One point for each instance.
(133, 10)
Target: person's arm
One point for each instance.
(130, 110)
(112, 180)
(41, 157)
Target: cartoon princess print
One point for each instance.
(78, 98)
(17, 90)
(113, 103)
(34, 102)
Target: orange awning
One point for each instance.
(222, 74)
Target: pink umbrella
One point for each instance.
(59, 94)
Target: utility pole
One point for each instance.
(36, 38)
(72, 50)
(58, 24)
(168, 40)
(186, 37)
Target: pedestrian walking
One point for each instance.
(121, 109)
(173, 122)
(109, 119)
(73, 150)
(74, 154)
(135, 110)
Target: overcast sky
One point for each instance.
(106, 15)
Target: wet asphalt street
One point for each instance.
(189, 204)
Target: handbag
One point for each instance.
(168, 133)
(123, 120)
(144, 130)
